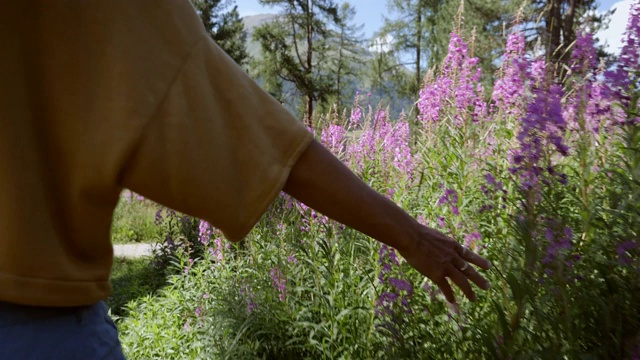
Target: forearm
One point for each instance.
(322, 182)
(325, 184)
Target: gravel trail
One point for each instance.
(132, 250)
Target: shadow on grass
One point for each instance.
(131, 279)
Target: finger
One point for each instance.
(474, 258)
(471, 273)
(446, 289)
(476, 278)
(459, 263)
(461, 280)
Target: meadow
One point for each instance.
(540, 176)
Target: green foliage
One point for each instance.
(345, 64)
(385, 75)
(155, 326)
(182, 235)
(232, 307)
(560, 225)
(554, 25)
(225, 27)
(132, 279)
(420, 31)
(413, 35)
(133, 222)
(295, 48)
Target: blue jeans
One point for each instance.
(35, 333)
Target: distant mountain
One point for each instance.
(253, 21)
(250, 23)
(366, 56)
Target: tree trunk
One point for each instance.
(309, 79)
(568, 34)
(554, 30)
(419, 43)
(339, 70)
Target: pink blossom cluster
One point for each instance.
(279, 282)
(457, 83)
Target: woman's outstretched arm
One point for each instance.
(324, 183)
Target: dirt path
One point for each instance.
(132, 250)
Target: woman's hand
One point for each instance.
(325, 184)
(439, 257)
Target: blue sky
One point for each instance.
(370, 12)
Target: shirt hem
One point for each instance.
(293, 157)
(53, 293)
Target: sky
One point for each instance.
(370, 14)
(613, 34)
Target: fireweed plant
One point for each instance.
(542, 177)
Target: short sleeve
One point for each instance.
(218, 147)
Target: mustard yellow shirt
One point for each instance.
(96, 96)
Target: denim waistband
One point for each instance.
(15, 314)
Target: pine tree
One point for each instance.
(409, 32)
(386, 77)
(349, 55)
(554, 24)
(420, 32)
(295, 48)
(225, 27)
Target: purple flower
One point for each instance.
(217, 252)
(509, 89)
(624, 251)
(538, 71)
(169, 241)
(490, 179)
(401, 290)
(159, 218)
(389, 253)
(455, 86)
(356, 116)
(384, 144)
(398, 145)
(542, 128)
(450, 197)
(485, 208)
(251, 305)
(558, 244)
(583, 57)
(401, 285)
(471, 240)
(188, 267)
(205, 231)
(279, 282)
(388, 297)
(364, 149)
(333, 137)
